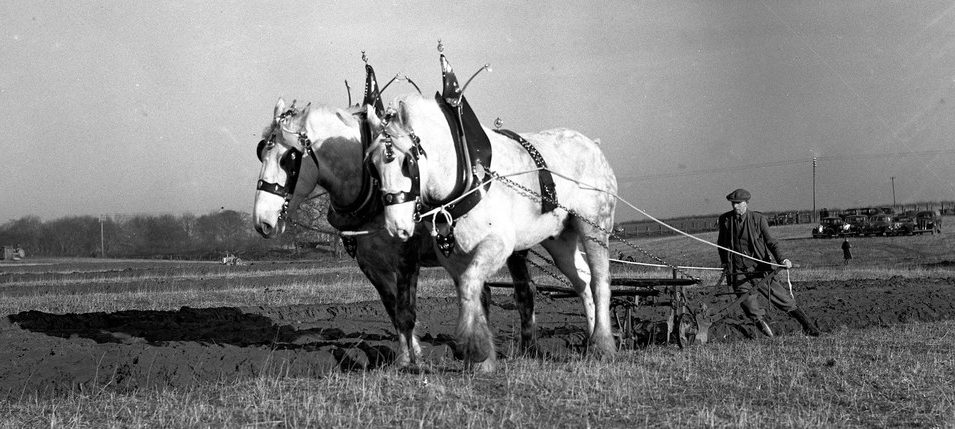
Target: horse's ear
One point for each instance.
(346, 118)
(402, 113)
(279, 108)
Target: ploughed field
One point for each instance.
(73, 324)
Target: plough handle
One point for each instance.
(759, 288)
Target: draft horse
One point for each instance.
(416, 160)
(321, 146)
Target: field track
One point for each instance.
(49, 353)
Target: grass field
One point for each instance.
(892, 376)
(900, 376)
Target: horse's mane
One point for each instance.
(293, 123)
(411, 102)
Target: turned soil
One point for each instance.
(47, 353)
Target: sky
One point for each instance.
(156, 107)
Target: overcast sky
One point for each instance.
(156, 107)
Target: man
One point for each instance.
(846, 251)
(748, 233)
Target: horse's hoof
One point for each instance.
(531, 350)
(602, 347)
(473, 351)
(475, 346)
(485, 367)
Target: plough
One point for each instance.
(690, 323)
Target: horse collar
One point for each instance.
(473, 149)
(367, 204)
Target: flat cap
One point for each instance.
(738, 195)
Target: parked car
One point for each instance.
(848, 212)
(881, 224)
(887, 210)
(906, 225)
(829, 227)
(928, 221)
(855, 224)
(870, 211)
(785, 218)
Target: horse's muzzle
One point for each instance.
(268, 230)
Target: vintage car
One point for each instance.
(906, 225)
(829, 227)
(855, 224)
(928, 221)
(881, 224)
(785, 218)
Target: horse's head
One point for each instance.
(290, 170)
(395, 158)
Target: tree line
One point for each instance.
(185, 236)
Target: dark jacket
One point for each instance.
(762, 243)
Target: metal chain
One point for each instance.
(540, 267)
(527, 192)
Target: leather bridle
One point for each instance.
(410, 169)
(291, 163)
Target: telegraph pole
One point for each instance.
(893, 192)
(813, 217)
(102, 239)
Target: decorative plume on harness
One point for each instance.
(372, 93)
(451, 91)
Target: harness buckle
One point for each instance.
(350, 244)
(445, 242)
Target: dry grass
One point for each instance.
(897, 376)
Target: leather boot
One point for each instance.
(763, 327)
(808, 327)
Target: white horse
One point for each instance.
(392, 265)
(506, 219)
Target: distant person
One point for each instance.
(846, 251)
(747, 232)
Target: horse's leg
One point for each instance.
(595, 244)
(385, 281)
(524, 297)
(475, 344)
(486, 301)
(378, 260)
(563, 249)
(406, 316)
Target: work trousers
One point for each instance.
(777, 293)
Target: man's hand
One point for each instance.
(787, 263)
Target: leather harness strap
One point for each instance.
(548, 191)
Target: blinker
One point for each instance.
(258, 150)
